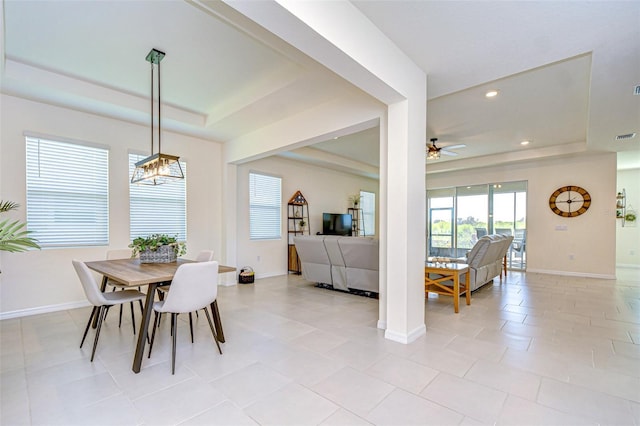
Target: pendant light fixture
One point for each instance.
(158, 168)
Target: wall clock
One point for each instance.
(569, 201)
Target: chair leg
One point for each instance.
(120, 317)
(215, 337)
(133, 318)
(191, 325)
(101, 315)
(93, 313)
(173, 349)
(153, 333)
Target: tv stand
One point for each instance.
(357, 223)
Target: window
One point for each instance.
(368, 205)
(67, 193)
(264, 207)
(497, 208)
(157, 209)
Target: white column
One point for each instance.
(337, 35)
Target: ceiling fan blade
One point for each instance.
(449, 153)
(461, 145)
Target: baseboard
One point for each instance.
(572, 274)
(382, 325)
(628, 265)
(72, 305)
(43, 310)
(406, 338)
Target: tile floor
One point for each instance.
(534, 350)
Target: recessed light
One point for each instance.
(491, 94)
(524, 143)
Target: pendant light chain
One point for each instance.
(159, 112)
(157, 168)
(152, 108)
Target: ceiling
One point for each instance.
(565, 72)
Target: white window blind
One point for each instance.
(265, 201)
(67, 193)
(157, 209)
(368, 205)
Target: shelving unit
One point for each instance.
(297, 211)
(621, 205)
(357, 223)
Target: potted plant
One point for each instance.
(158, 248)
(355, 200)
(302, 224)
(13, 238)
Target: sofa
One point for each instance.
(343, 263)
(486, 259)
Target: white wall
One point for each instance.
(590, 238)
(628, 237)
(44, 280)
(325, 191)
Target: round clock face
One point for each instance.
(569, 201)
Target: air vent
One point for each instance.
(625, 137)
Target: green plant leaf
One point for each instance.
(5, 206)
(13, 238)
(152, 242)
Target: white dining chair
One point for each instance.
(203, 256)
(101, 301)
(194, 287)
(122, 254)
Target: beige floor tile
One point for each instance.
(353, 390)
(444, 360)
(343, 417)
(505, 378)
(523, 412)
(542, 364)
(291, 405)
(117, 410)
(318, 341)
(249, 384)
(504, 339)
(178, 403)
(464, 396)
(598, 406)
(357, 355)
(481, 349)
(307, 368)
(223, 414)
(402, 373)
(404, 408)
(607, 382)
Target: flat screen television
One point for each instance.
(336, 224)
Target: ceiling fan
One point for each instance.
(433, 151)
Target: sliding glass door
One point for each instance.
(498, 208)
(472, 216)
(440, 228)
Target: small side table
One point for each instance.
(447, 272)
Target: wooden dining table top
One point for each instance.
(133, 273)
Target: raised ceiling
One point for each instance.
(565, 72)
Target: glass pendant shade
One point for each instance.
(158, 168)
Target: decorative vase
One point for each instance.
(163, 254)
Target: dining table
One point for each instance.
(133, 273)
